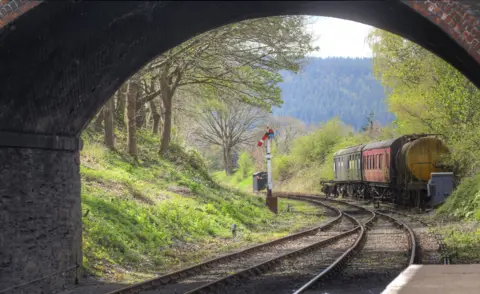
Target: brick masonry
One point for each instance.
(11, 9)
(40, 219)
(460, 19)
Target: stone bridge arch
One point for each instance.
(59, 63)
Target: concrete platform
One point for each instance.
(437, 279)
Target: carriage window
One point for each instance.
(380, 161)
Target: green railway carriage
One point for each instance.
(347, 166)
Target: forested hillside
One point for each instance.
(325, 88)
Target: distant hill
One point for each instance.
(343, 87)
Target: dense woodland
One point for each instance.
(334, 87)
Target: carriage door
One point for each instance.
(385, 165)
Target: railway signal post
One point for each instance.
(271, 201)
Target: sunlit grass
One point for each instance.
(142, 218)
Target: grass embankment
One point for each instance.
(155, 215)
(462, 212)
(233, 181)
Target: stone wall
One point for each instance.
(40, 219)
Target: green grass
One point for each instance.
(152, 216)
(245, 185)
(464, 202)
(462, 211)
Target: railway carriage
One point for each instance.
(347, 168)
(395, 170)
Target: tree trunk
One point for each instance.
(99, 120)
(131, 121)
(121, 104)
(167, 124)
(156, 118)
(227, 159)
(108, 123)
(141, 114)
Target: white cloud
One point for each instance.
(340, 38)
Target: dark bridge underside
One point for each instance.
(60, 62)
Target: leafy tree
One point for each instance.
(429, 95)
(238, 61)
(245, 166)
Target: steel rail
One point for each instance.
(170, 278)
(218, 285)
(438, 237)
(341, 259)
(411, 236)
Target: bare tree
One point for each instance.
(228, 125)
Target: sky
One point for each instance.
(340, 38)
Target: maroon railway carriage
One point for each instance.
(379, 168)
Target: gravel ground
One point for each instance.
(383, 257)
(291, 274)
(360, 214)
(221, 270)
(428, 246)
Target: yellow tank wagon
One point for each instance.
(422, 156)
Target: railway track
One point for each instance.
(433, 255)
(390, 246)
(312, 256)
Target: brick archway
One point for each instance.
(60, 61)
